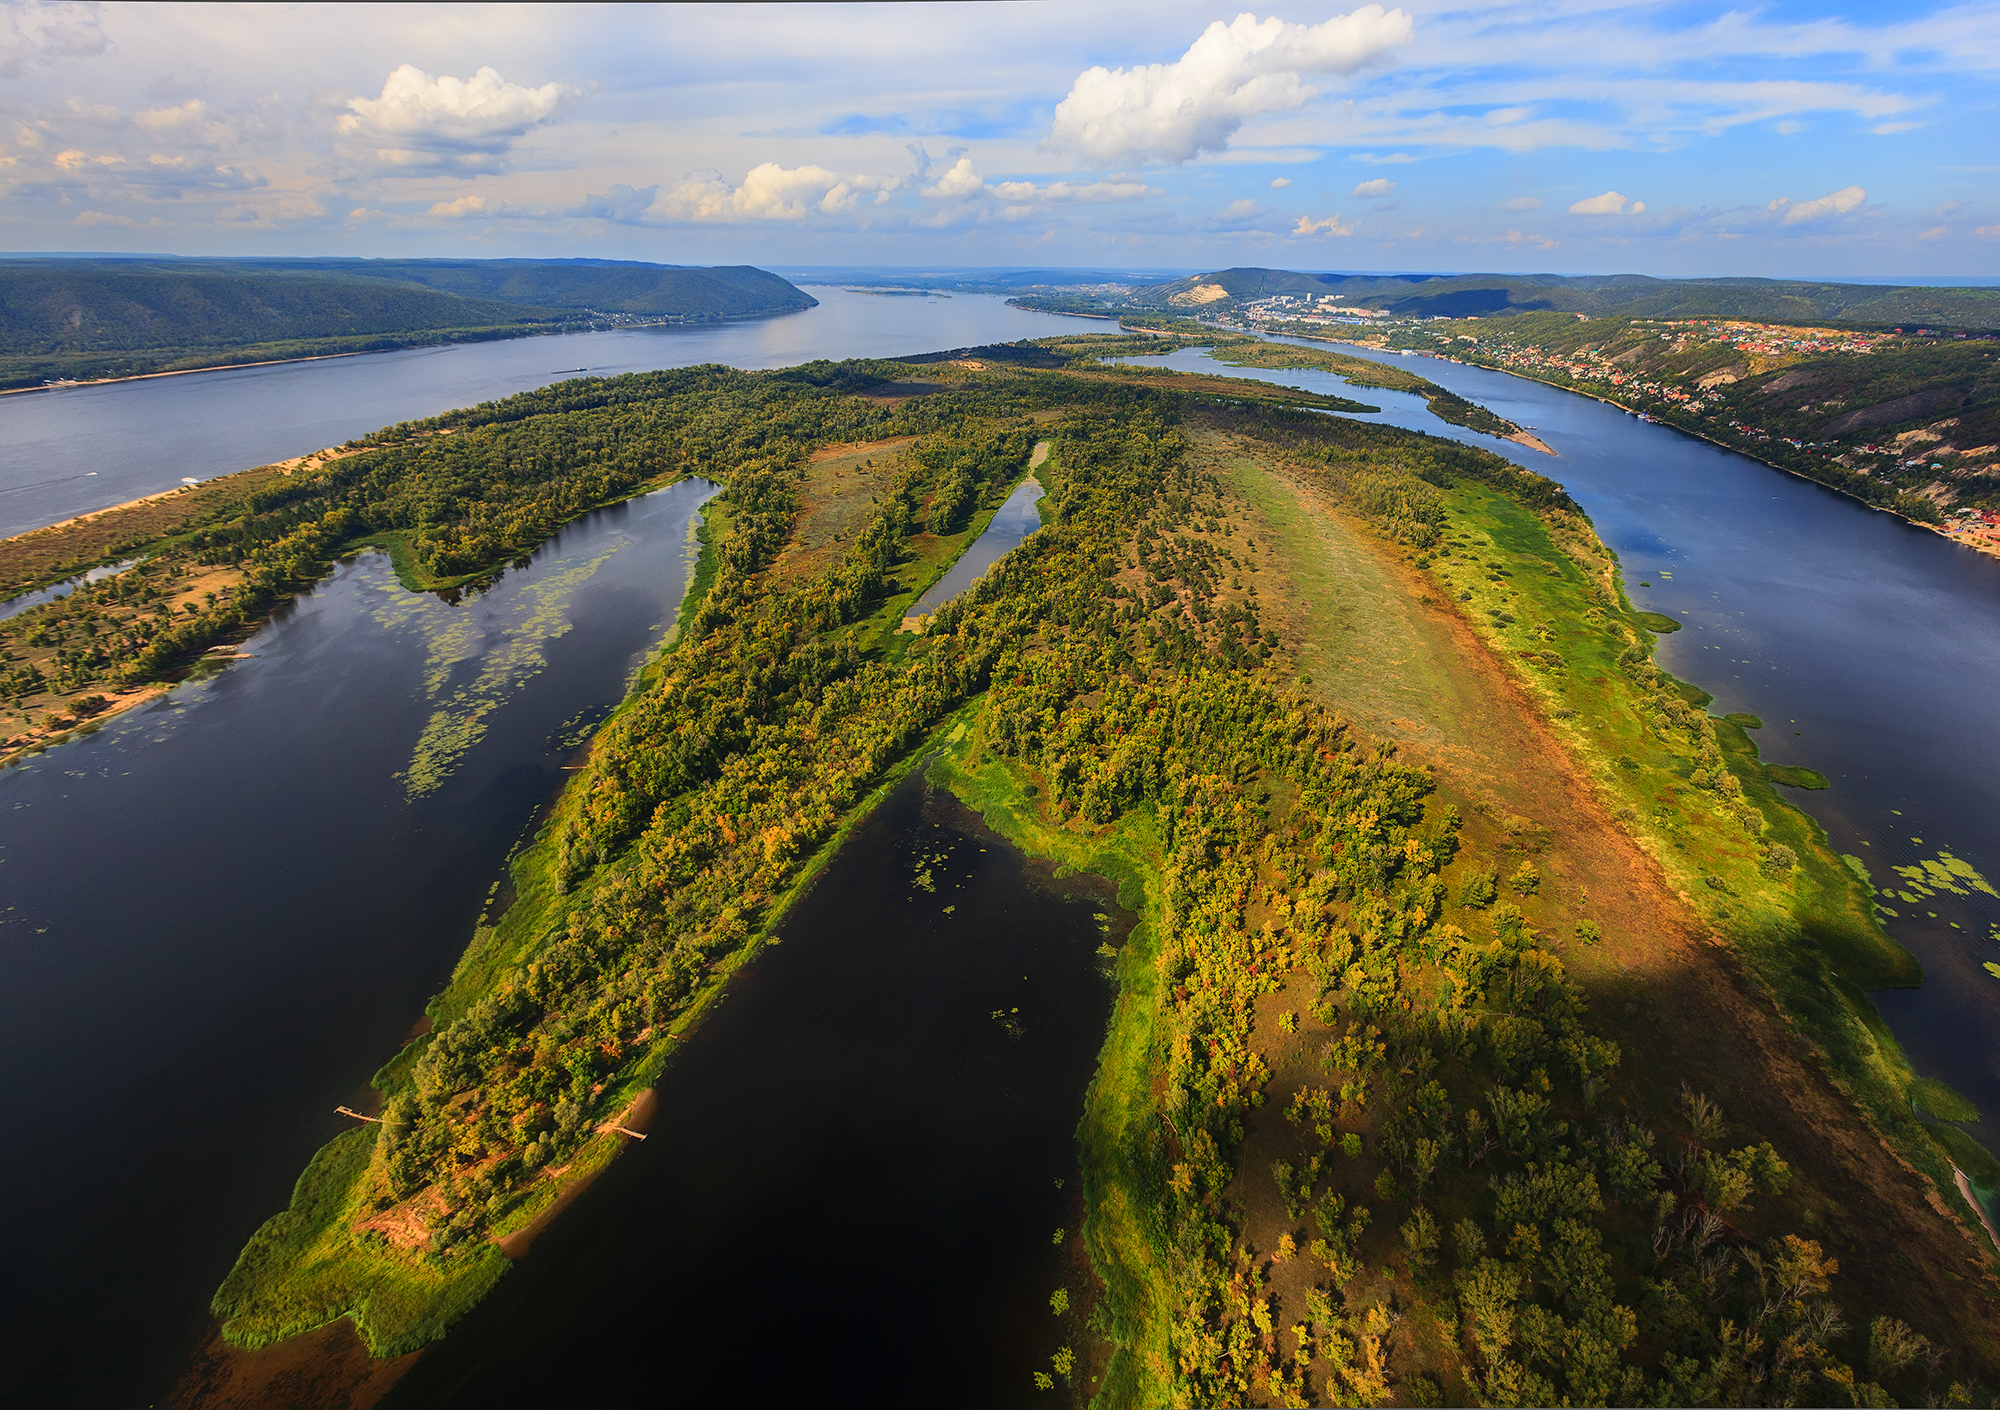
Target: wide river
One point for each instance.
(223, 912)
(1869, 647)
(70, 450)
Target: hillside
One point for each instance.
(1621, 295)
(82, 319)
(1909, 423)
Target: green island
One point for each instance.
(1491, 1028)
(1154, 336)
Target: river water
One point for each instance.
(74, 449)
(854, 1182)
(1869, 647)
(224, 910)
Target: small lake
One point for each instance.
(74, 449)
(1869, 647)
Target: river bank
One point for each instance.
(1992, 549)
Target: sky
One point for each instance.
(1576, 136)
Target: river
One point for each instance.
(70, 450)
(1869, 647)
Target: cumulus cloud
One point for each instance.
(471, 207)
(1279, 183)
(1520, 203)
(1380, 186)
(1988, 232)
(963, 183)
(1232, 73)
(768, 192)
(1833, 203)
(1610, 203)
(1332, 225)
(424, 123)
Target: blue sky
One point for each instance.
(1591, 136)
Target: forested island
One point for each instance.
(84, 319)
(1530, 1070)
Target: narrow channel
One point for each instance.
(1012, 522)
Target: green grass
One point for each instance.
(1811, 939)
(305, 1268)
(1793, 776)
(1658, 622)
(1744, 720)
(1930, 1095)
(1119, 1175)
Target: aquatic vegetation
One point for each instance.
(1942, 873)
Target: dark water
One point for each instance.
(1869, 647)
(852, 1186)
(1011, 523)
(222, 912)
(75, 449)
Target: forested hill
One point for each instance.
(1622, 295)
(82, 319)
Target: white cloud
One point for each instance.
(1520, 203)
(1233, 72)
(1332, 225)
(1279, 183)
(1610, 203)
(963, 183)
(1386, 159)
(31, 34)
(1890, 129)
(1988, 232)
(424, 122)
(958, 183)
(1238, 213)
(768, 192)
(1380, 186)
(468, 207)
(1833, 203)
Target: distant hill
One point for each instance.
(1601, 296)
(87, 318)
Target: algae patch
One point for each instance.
(508, 641)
